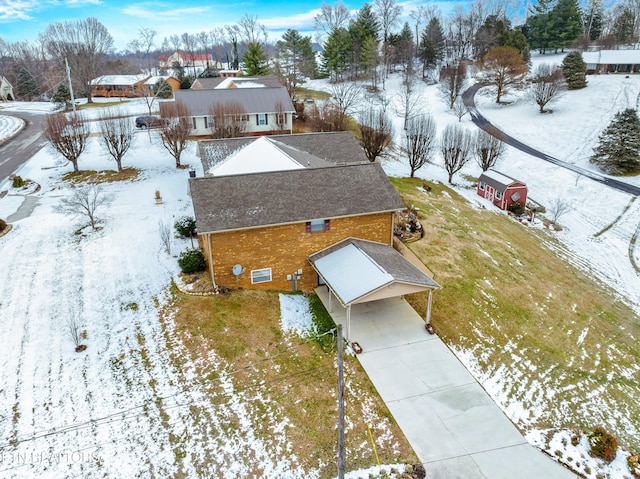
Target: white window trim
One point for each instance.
(498, 195)
(254, 271)
(316, 226)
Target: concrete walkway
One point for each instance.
(452, 424)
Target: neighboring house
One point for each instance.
(236, 82)
(501, 190)
(254, 111)
(186, 60)
(149, 86)
(6, 90)
(230, 73)
(612, 61)
(118, 86)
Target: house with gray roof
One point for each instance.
(246, 111)
(270, 227)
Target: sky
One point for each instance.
(24, 19)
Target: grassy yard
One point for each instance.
(289, 382)
(560, 349)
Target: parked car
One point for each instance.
(147, 122)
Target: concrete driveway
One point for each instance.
(453, 425)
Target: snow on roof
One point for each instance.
(352, 273)
(118, 79)
(155, 79)
(499, 177)
(227, 82)
(612, 57)
(258, 156)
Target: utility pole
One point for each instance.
(73, 100)
(340, 405)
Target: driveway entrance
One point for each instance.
(452, 424)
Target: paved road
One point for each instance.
(25, 144)
(481, 122)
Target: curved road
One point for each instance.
(25, 144)
(481, 122)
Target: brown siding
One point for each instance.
(285, 249)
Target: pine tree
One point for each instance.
(162, 89)
(61, 96)
(593, 19)
(574, 70)
(618, 150)
(365, 32)
(26, 87)
(432, 45)
(565, 23)
(255, 60)
(295, 60)
(539, 26)
(337, 54)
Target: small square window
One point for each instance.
(498, 195)
(261, 118)
(482, 186)
(261, 275)
(316, 225)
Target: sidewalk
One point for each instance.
(452, 424)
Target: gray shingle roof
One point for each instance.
(253, 100)
(209, 83)
(386, 257)
(282, 197)
(309, 149)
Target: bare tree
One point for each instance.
(488, 149)
(459, 108)
(346, 97)
(190, 43)
(75, 331)
(503, 67)
(420, 141)
(376, 133)
(117, 131)
(165, 235)
(85, 200)
(453, 79)
(546, 85)
(83, 43)
(228, 120)
(281, 116)
(67, 135)
(250, 28)
(327, 117)
(456, 147)
(557, 208)
(410, 102)
(175, 128)
(389, 13)
(331, 17)
(146, 41)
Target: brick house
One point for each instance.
(502, 190)
(257, 111)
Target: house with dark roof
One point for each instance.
(281, 222)
(248, 111)
(271, 81)
(502, 190)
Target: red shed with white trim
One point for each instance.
(501, 189)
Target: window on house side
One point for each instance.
(261, 118)
(317, 225)
(193, 120)
(260, 275)
(482, 185)
(515, 196)
(498, 195)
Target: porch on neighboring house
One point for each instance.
(362, 279)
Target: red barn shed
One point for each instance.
(501, 189)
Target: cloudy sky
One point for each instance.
(24, 19)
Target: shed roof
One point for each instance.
(356, 268)
(223, 203)
(253, 100)
(497, 180)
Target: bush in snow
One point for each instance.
(192, 261)
(18, 182)
(3, 224)
(186, 226)
(603, 445)
(634, 464)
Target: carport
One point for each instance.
(359, 271)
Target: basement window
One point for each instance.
(260, 275)
(318, 225)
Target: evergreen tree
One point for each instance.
(295, 60)
(574, 70)
(565, 24)
(539, 25)
(365, 33)
(26, 85)
(432, 45)
(337, 54)
(618, 150)
(61, 96)
(255, 60)
(624, 25)
(515, 39)
(162, 89)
